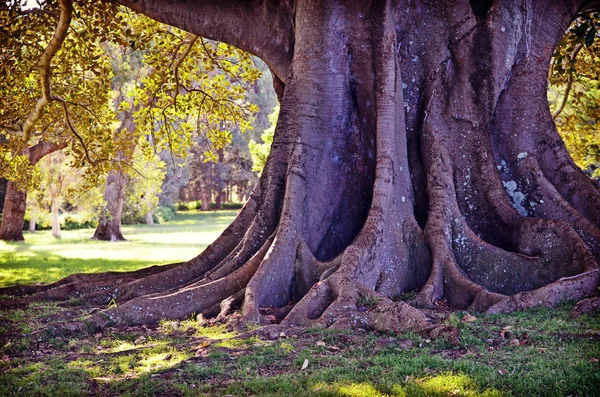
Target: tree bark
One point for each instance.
(13, 215)
(109, 221)
(205, 199)
(414, 151)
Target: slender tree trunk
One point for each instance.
(149, 218)
(55, 217)
(109, 221)
(205, 200)
(32, 221)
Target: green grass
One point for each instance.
(560, 356)
(559, 359)
(44, 259)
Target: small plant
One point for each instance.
(367, 301)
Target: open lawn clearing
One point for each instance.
(44, 259)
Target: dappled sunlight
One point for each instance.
(213, 332)
(438, 385)
(109, 365)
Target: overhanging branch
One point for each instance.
(264, 28)
(66, 12)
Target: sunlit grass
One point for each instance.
(44, 259)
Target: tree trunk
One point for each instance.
(32, 221)
(3, 183)
(55, 217)
(414, 151)
(205, 200)
(109, 222)
(13, 214)
(149, 218)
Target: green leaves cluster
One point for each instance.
(191, 86)
(114, 62)
(575, 80)
(80, 76)
(260, 151)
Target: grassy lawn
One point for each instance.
(44, 259)
(541, 352)
(557, 356)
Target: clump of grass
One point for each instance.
(367, 301)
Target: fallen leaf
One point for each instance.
(304, 364)
(514, 342)
(467, 318)
(320, 343)
(505, 333)
(272, 319)
(282, 334)
(334, 347)
(139, 340)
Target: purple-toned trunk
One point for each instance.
(414, 151)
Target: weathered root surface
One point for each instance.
(393, 171)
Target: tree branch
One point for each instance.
(264, 28)
(43, 148)
(66, 12)
(569, 83)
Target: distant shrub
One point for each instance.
(71, 223)
(227, 206)
(163, 214)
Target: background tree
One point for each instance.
(36, 112)
(414, 151)
(177, 81)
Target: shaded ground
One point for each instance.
(539, 352)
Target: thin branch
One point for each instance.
(569, 83)
(74, 131)
(178, 64)
(60, 33)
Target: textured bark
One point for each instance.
(13, 214)
(414, 151)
